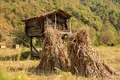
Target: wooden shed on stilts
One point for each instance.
(35, 27)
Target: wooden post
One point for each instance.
(70, 26)
(55, 20)
(29, 57)
(47, 20)
(31, 44)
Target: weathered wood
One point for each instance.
(70, 26)
(29, 57)
(55, 21)
(35, 51)
(36, 26)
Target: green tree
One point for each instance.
(108, 35)
(20, 37)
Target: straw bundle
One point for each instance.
(85, 60)
(54, 53)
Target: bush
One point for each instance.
(24, 55)
(108, 35)
(108, 38)
(20, 37)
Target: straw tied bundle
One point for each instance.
(85, 60)
(54, 53)
(80, 58)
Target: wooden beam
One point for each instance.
(70, 26)
(31, 44)
(55, 20)
(47, 21)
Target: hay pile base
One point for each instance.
(54, 55)
(85, 60)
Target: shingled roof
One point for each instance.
(57, 12)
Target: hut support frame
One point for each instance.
(35, 27)
(33, 49)
(55, 20)
(31, 43)
(29, 57)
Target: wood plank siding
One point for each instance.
(35, 27)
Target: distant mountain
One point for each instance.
(101, 16)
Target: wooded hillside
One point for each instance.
(101, 16)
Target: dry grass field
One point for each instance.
(25, 70)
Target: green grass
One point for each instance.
(25, 70)
(5, 75)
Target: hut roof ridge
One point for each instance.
(62, 12)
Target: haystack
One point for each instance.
(54, 55)
(85, 60)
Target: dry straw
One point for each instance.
(79, 57)
(54, 53)
(85, 60)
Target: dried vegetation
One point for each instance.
(79, 57)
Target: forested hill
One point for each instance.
(101, 16)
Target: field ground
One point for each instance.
(25, 70)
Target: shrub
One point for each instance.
(108, 35)
(24, 55)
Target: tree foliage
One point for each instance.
(108, 35)
(92, 13)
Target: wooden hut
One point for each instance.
(35, 27)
